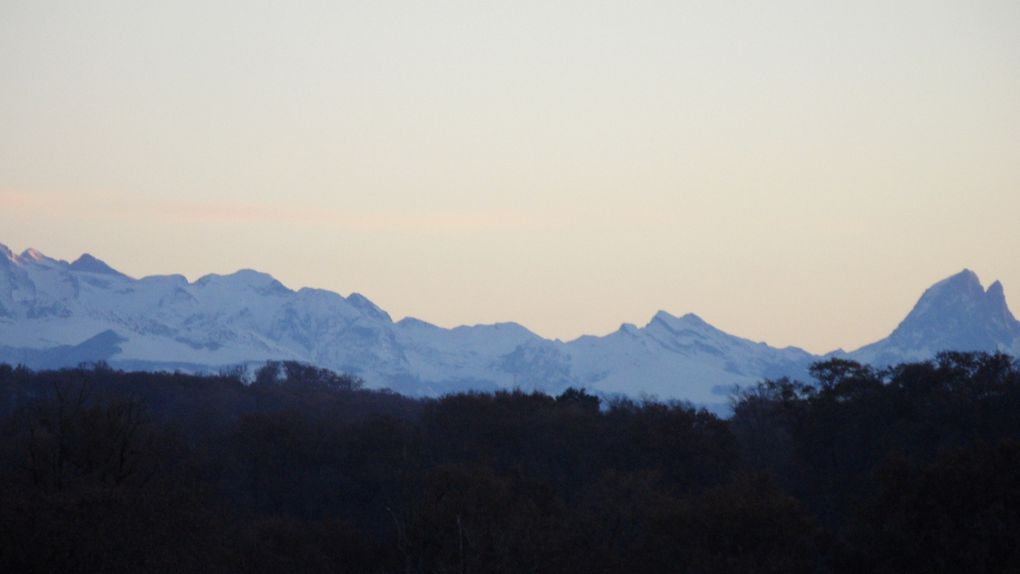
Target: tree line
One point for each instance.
(913, 468)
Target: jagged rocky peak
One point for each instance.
(958, 312)
(960, 293)
(6, 253)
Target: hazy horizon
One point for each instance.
(794, 173)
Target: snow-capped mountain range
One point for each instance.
(54, 313)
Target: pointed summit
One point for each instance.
(996, 294)
(32, 254)
(965, 282)
(996, 307)
(368, 307)
(662, 315)
(687, 321)
(956, 314)
(959, 293)
(965, 279)
(89, 264)
(694, 319)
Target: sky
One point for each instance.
(795, 172)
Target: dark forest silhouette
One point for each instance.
(915, 468)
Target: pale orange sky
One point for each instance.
(794, 172)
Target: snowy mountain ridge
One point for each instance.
(54, 313)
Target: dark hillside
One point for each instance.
(915, 468)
